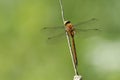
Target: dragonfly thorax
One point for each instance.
(69, 28)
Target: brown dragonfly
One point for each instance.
(71, 30)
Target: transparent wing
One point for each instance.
(90, 21)
(52, 31)
(88, 30)
(89, 26)
(52, 28)
(86, 33)
(56, 36)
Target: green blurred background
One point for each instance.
(26, 55)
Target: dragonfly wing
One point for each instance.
(55, 39)
(85, 33)
(93, 20)
(89, 25)
(56, 36)
(52, 31)
(47, 28)
(85, 30)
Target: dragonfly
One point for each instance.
(71, 30)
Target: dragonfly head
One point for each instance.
(66, 22)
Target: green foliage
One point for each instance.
(26, 55)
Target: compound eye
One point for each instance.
(66, 22)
